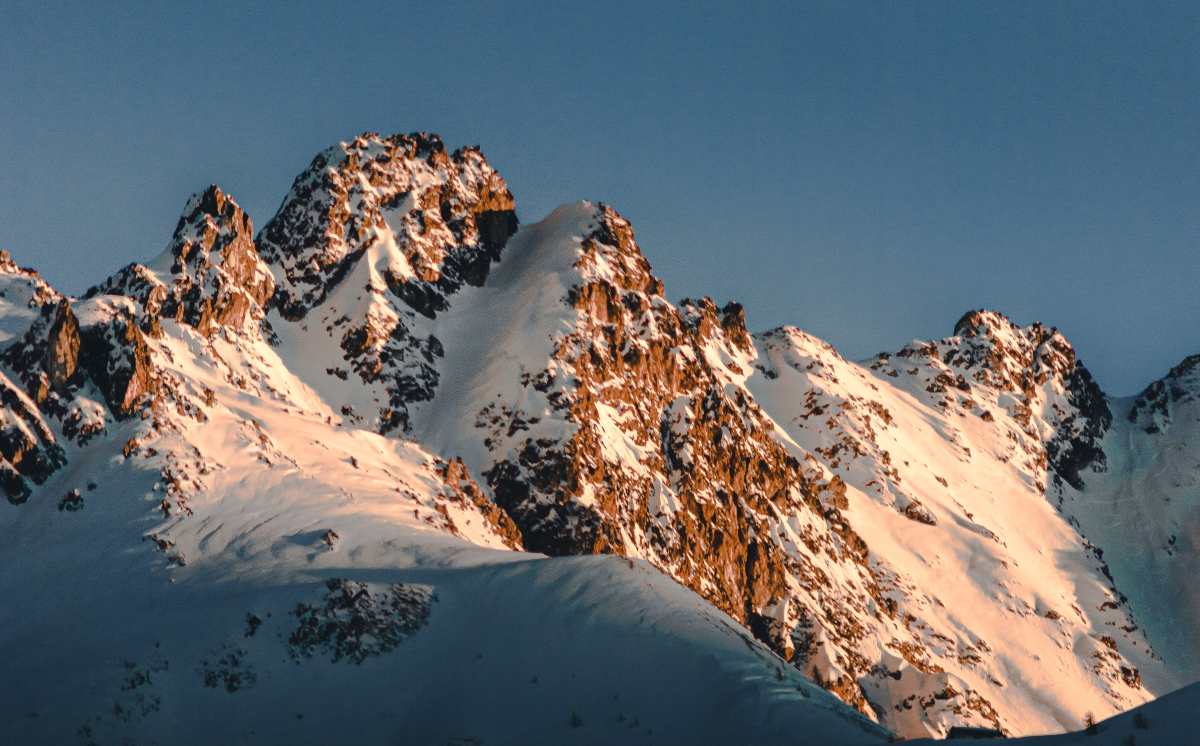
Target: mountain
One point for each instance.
(399, 468)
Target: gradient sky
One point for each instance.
(864, 171)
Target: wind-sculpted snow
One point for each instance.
(270, 489)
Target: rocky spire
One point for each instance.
(44, 359)
(381, 233)
(446, 217)
(209, 276)
(633, 436)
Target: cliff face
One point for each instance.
(209, 277)
(391, 375)
(40, 387)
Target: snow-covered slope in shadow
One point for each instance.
(500, 650)
(1144, 510)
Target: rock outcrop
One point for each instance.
(1151, 410)
(209, 277)
(117, 357)
(40, 382)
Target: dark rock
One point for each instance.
(71, 502)
(355, 621)
(117, 358)
(62, 348)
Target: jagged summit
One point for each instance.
(1009, 356)
(7, 264)
(372, 243)
(209, 276)
(1055, 398)
(432, 220)
(1034, 362)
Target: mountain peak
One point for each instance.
(1049, 393)
(979, 321)
(433, 220)
(7, 265)
(215, 203)
(379, 234)
(209, 276)
(1008, 355)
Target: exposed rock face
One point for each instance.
(464, 489)
(1151, 411)
(27, 445)
(47, 356)
(709, 474)
(448, 215)
(62, 348)
(118, 359)
(637, 436)
(209, 276)
(378, 234)
(44, 360)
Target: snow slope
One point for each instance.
(948, 503)
(515, 650)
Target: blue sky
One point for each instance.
(864, 171)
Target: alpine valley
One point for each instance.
(396, 470)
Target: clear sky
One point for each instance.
(864, 171)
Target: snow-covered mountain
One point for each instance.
(351, 476)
